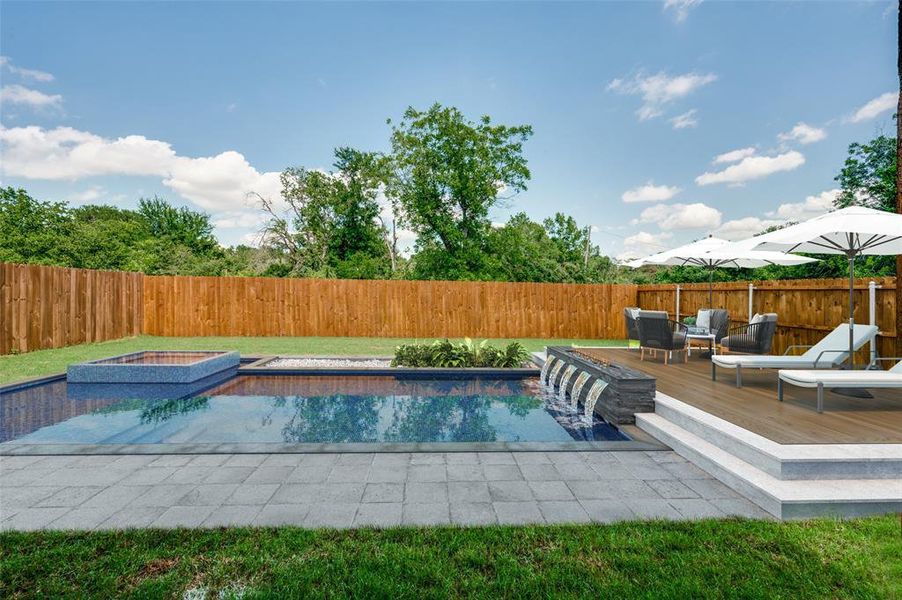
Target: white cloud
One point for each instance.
(240, 220)
(753, 167)
(17, 94)
(804, 134)
(734, 155)
(89, 195)
(680, 8)
(217, 183)
(650, 193)
(875, 107)
(659, 89)
(812, 206)
(30, 74)
(643, 244)
(685, 120)
(739, 229)
(681, 216)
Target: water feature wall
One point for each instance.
(613, 392)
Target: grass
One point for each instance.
(46, 362)
(703, 559)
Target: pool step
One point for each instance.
(783, 498)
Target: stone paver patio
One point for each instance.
(356, 490)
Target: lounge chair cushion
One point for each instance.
(703, 320)
(808, 378)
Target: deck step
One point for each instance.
(785, 461)
(785, 499)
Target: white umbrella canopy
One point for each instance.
(712, 253)
(853, 231)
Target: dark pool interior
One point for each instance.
(230, 408)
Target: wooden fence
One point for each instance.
(250, 306)
(806, 308)
(52, 307)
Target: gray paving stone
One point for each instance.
(82, 518)
(425, 492)
(208, 494)
(630, 488)
(171, 460)
(339, 493)
(252, 493)
(162, 495)
(665, 456)
(273, 474)
(68, 476)
(23, 497)
(319, 460)
(348, 473)
(696, 508)
(510, 491)
(711, 488)
(17, 462)
(229, 475)
(497, 458)
(331, 515)
(395, 459)
(468, 492)
(611, 472)
(357, 458)
(566, 458)
(245, 460)
(189, 474)
(275, 515)
(132, 517)
(70, 496)
(427, 459)
(634, 459)
(600, 459)
(148, 476)
(183, 516)
(384, 514)
(387, 474)
(434, 473)
(671, 488)
(285, 460)
(531, 458)
(436, 513)
(232, 516)
(684, 470)
(31, 477)
(562, 511)
(740, 507)
(651, 508)
(383, 492)
(540, 472)
(31, 519)
(550, 490)
(465, 472)
(607, 511)
(502, 472)
(462, 458)
(117, 496)
(591, 490)
(209, 460)
(304, 474)
(473, 513)
(518, 513)
(295, 493)
(580, 471)
(132, 461)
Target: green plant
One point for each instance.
(447, 354)
(689, 321)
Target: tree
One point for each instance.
(898, 205)
(32, 231)
(178, 225)
(868, 177)
(448, 172)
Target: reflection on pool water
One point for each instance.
(298, 409)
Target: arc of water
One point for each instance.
(578, 386)
(557, 369)
(562, 392)
(543, 377)
(592, 397)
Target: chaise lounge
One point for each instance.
(844, 379)
(828, 353)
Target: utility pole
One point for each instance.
(899, 184)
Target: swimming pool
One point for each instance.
(262, 410)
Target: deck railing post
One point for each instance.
(872, 313)
(677, 308)
(751, 301)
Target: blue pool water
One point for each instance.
(296, 409)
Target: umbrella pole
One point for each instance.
(851, 311)
(710, 286)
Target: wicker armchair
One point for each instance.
(658, 332)
(754, 338)
(632, 326)
(720, 324)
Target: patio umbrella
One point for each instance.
(852, 231)
(712, 253)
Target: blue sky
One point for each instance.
(632, 103)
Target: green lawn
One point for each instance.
(47, 362)
(706, 559)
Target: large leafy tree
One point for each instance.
(181, 226)
(31, 230)
(448, 173)
(868, 176)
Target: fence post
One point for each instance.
(872, 313)
(751, 301)
(677, 311)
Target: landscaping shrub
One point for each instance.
(447, 354)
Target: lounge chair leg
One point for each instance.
(820, 397)
(665, 356)
(713, 371)
(738, 376)
(779, 389)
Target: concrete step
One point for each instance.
(785, 461)
(785, 499)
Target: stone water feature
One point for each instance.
(613, 392)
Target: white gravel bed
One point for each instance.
(328, 363)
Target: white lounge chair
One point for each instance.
(844, 379)
(828, 353)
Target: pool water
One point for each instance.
(158, 357)
(297, 409)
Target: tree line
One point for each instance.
(441, 180)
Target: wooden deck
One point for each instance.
(755, 406)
